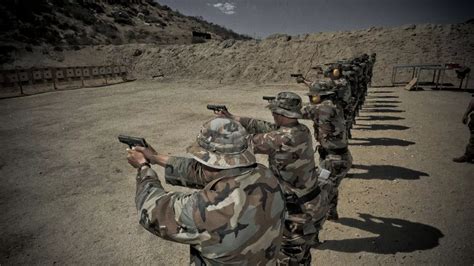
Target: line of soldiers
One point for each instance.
(243, 212)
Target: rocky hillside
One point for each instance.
(274, 58)
(62, 23)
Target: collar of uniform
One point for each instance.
(234, 171)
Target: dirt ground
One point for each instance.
(67, 192)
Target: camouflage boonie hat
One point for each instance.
(287, 104)
(320, 88)
(223, 144)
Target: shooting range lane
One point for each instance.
(67, 192)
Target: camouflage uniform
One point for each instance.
(371, 66)
(468, 155)
(237, 215)
(341, 87)
(330, 131)
(291, 158)
(470, 146)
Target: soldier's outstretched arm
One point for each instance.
(306, 111)
(179, 171)
(268, 143)
(186, 172)
(167, 214)
(256, 126)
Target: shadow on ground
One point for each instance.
(383, 101)
(380, 142)
(377, 110)
(382, 97)
(393, 236)
(380, 127)
(381, 92)
(380, 117)
(380, 106)
(386, 172)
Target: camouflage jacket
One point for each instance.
(343, 90)
(329, 124)
(234, 219)
(290, 153)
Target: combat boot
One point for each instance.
(333, 215)
(316, 242)
(463, 159)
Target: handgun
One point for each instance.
(268, 98)
(132, 141)
(217, 107)
(296, 75)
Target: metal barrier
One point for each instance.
(414, 69)
(438, 75)
(55, 76)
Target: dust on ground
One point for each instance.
(67, 192)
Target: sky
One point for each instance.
(260, 18)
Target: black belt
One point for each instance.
(337, 151)
(310, 196)
(293, 203)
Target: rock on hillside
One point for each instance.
(274, 58)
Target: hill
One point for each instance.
(274, 58)
(61, 23)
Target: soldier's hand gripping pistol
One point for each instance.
(299, 78)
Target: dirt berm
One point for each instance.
(274, 58)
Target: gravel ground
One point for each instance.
(66, 194)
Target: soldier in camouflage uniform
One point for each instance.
(358, 68)
(468, 118)
(341, 86)
(289, 147)
(330, 131)
(236, 217)
(372, 59)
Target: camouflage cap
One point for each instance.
(223, 144)
(320, 88)
(287, 104)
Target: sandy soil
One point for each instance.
(66, 194)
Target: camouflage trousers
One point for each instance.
(339, 165)
(302, 226)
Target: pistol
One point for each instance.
(269, 98)
(132, 141)
(296, 75)
(217, 107)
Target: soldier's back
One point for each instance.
(293, 162)
(329, 125)
(240, 219)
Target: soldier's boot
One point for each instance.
(332, 214)
(464, 159)
(316, 242)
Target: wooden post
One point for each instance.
(19, 81)
(437, 79)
